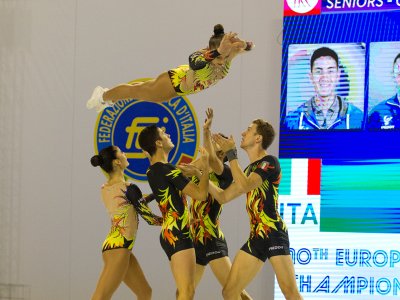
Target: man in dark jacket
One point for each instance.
(386, 114)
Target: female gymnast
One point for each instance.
(123, 201)
(206, 67)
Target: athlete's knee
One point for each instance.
(101, 295)
(147, 90)
(230, 293)
(294, 296)
(145, 293)
(290, 292)
(186, 292)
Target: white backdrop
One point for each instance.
(52, 54)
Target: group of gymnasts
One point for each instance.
(191, 236)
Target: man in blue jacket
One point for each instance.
(325, 110)
(386, 114)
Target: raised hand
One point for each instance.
(225, 46)
(226, 144)
(203, 160)
(209, 119)
(189, 170)
(241, 45)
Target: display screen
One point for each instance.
(340, 82)
(340, 147)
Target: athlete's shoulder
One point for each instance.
(267, 164)
(270, 159)
(292, 118)
(349, 107)
(133, 192)
(383, 106)
(159, 168)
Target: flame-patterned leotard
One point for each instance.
(123, 201)
(268, 232)
(209, 240)
(167, 183)
(199, 74)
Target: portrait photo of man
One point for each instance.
(384, 115)
(334, 96)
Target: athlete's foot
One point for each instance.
(96, 100)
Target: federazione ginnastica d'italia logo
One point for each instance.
(121, 124)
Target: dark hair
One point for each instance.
(323, 51)
(216, 38)
(105, 158)
(396, 58)
(266, 131)
(148, 137)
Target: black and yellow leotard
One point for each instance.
(199, 74)
(167, 183)
(123, 203)
(268, 232)
(209, 240)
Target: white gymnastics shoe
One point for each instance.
(96, 100)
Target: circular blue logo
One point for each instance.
(121, 124)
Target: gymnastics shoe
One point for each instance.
(96, 100)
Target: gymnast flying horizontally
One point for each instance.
(123, 201)
(206, 67)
